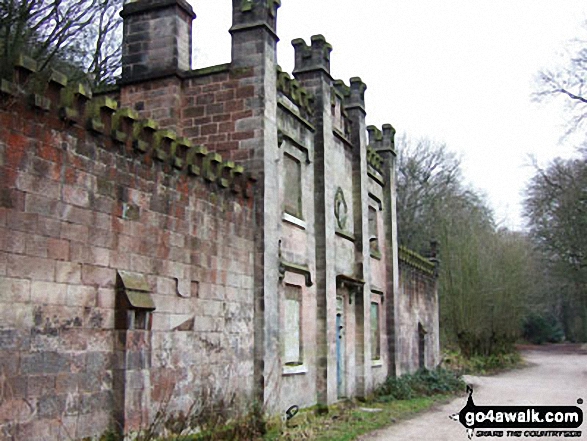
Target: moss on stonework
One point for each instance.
(210, 70)
(416, 260)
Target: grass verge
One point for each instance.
(348, 420)
(396, 399)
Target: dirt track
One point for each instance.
(556, 375)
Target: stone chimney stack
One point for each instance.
(157, 39)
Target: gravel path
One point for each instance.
(556, 375)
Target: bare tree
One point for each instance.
(427, 174)
(556, 209)
(568, 82)
(485, 272)
(81, 36)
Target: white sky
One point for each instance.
(456, 71)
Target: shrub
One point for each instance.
(422, 383)
(539, 329)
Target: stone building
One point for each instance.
(225, 234)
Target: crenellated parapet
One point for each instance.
(247, 14)
(74, 105)
(315, 57)
(415, 260)
(356, 98)
(337, 100)
(292, 89)
(354, 95)
(157, 39)
(382, 140)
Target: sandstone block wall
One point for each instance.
(77, 209)
(418, 327)
(220, 236)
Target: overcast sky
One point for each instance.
(456, 71)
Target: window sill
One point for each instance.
(295, 370)
(375, 254)
(294, 220)
(377, 363)
(345, 234)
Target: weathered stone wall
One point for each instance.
(297, 381)
(77, 209)
(226, 237)
(418, 327)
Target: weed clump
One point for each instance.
(423, 383)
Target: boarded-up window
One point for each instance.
(292, 334)
(293, 186)
(375, 334)
(373, 240)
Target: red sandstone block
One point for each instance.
(39, 429)
(227, 146)
(215, 109)
(120, 260)
(85, 180)
(18, 145)
(75, 215)
(221, 137)
(207, 98)
(26, 222)
(238, 136)
(3, 263)
(3, 216)
(209, 129)
(225, 95)
(83, 253)
(102, 238)
(76, 196)
(74, 232)
(245, 92)
(214, 87)
(40, 385)
(98, 276)
(38, 204)
(65, 383)
(226, 127)
(142, 264)
(202, 121)
(46, 169)
(36, 246)
(176, 240)
(242, 115)
(70, 175)
(49, 227)
(234, 106)
(192, 132)
(104, 204)
(31, 267)
(68, 272)
(128, 244)
(102, 221)
(106, 298)
(49, 152)
(14, 290)
(223, 117)
(79, 295)
(58, 249)
(12, 241)
(38, 185)
(48, 293)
